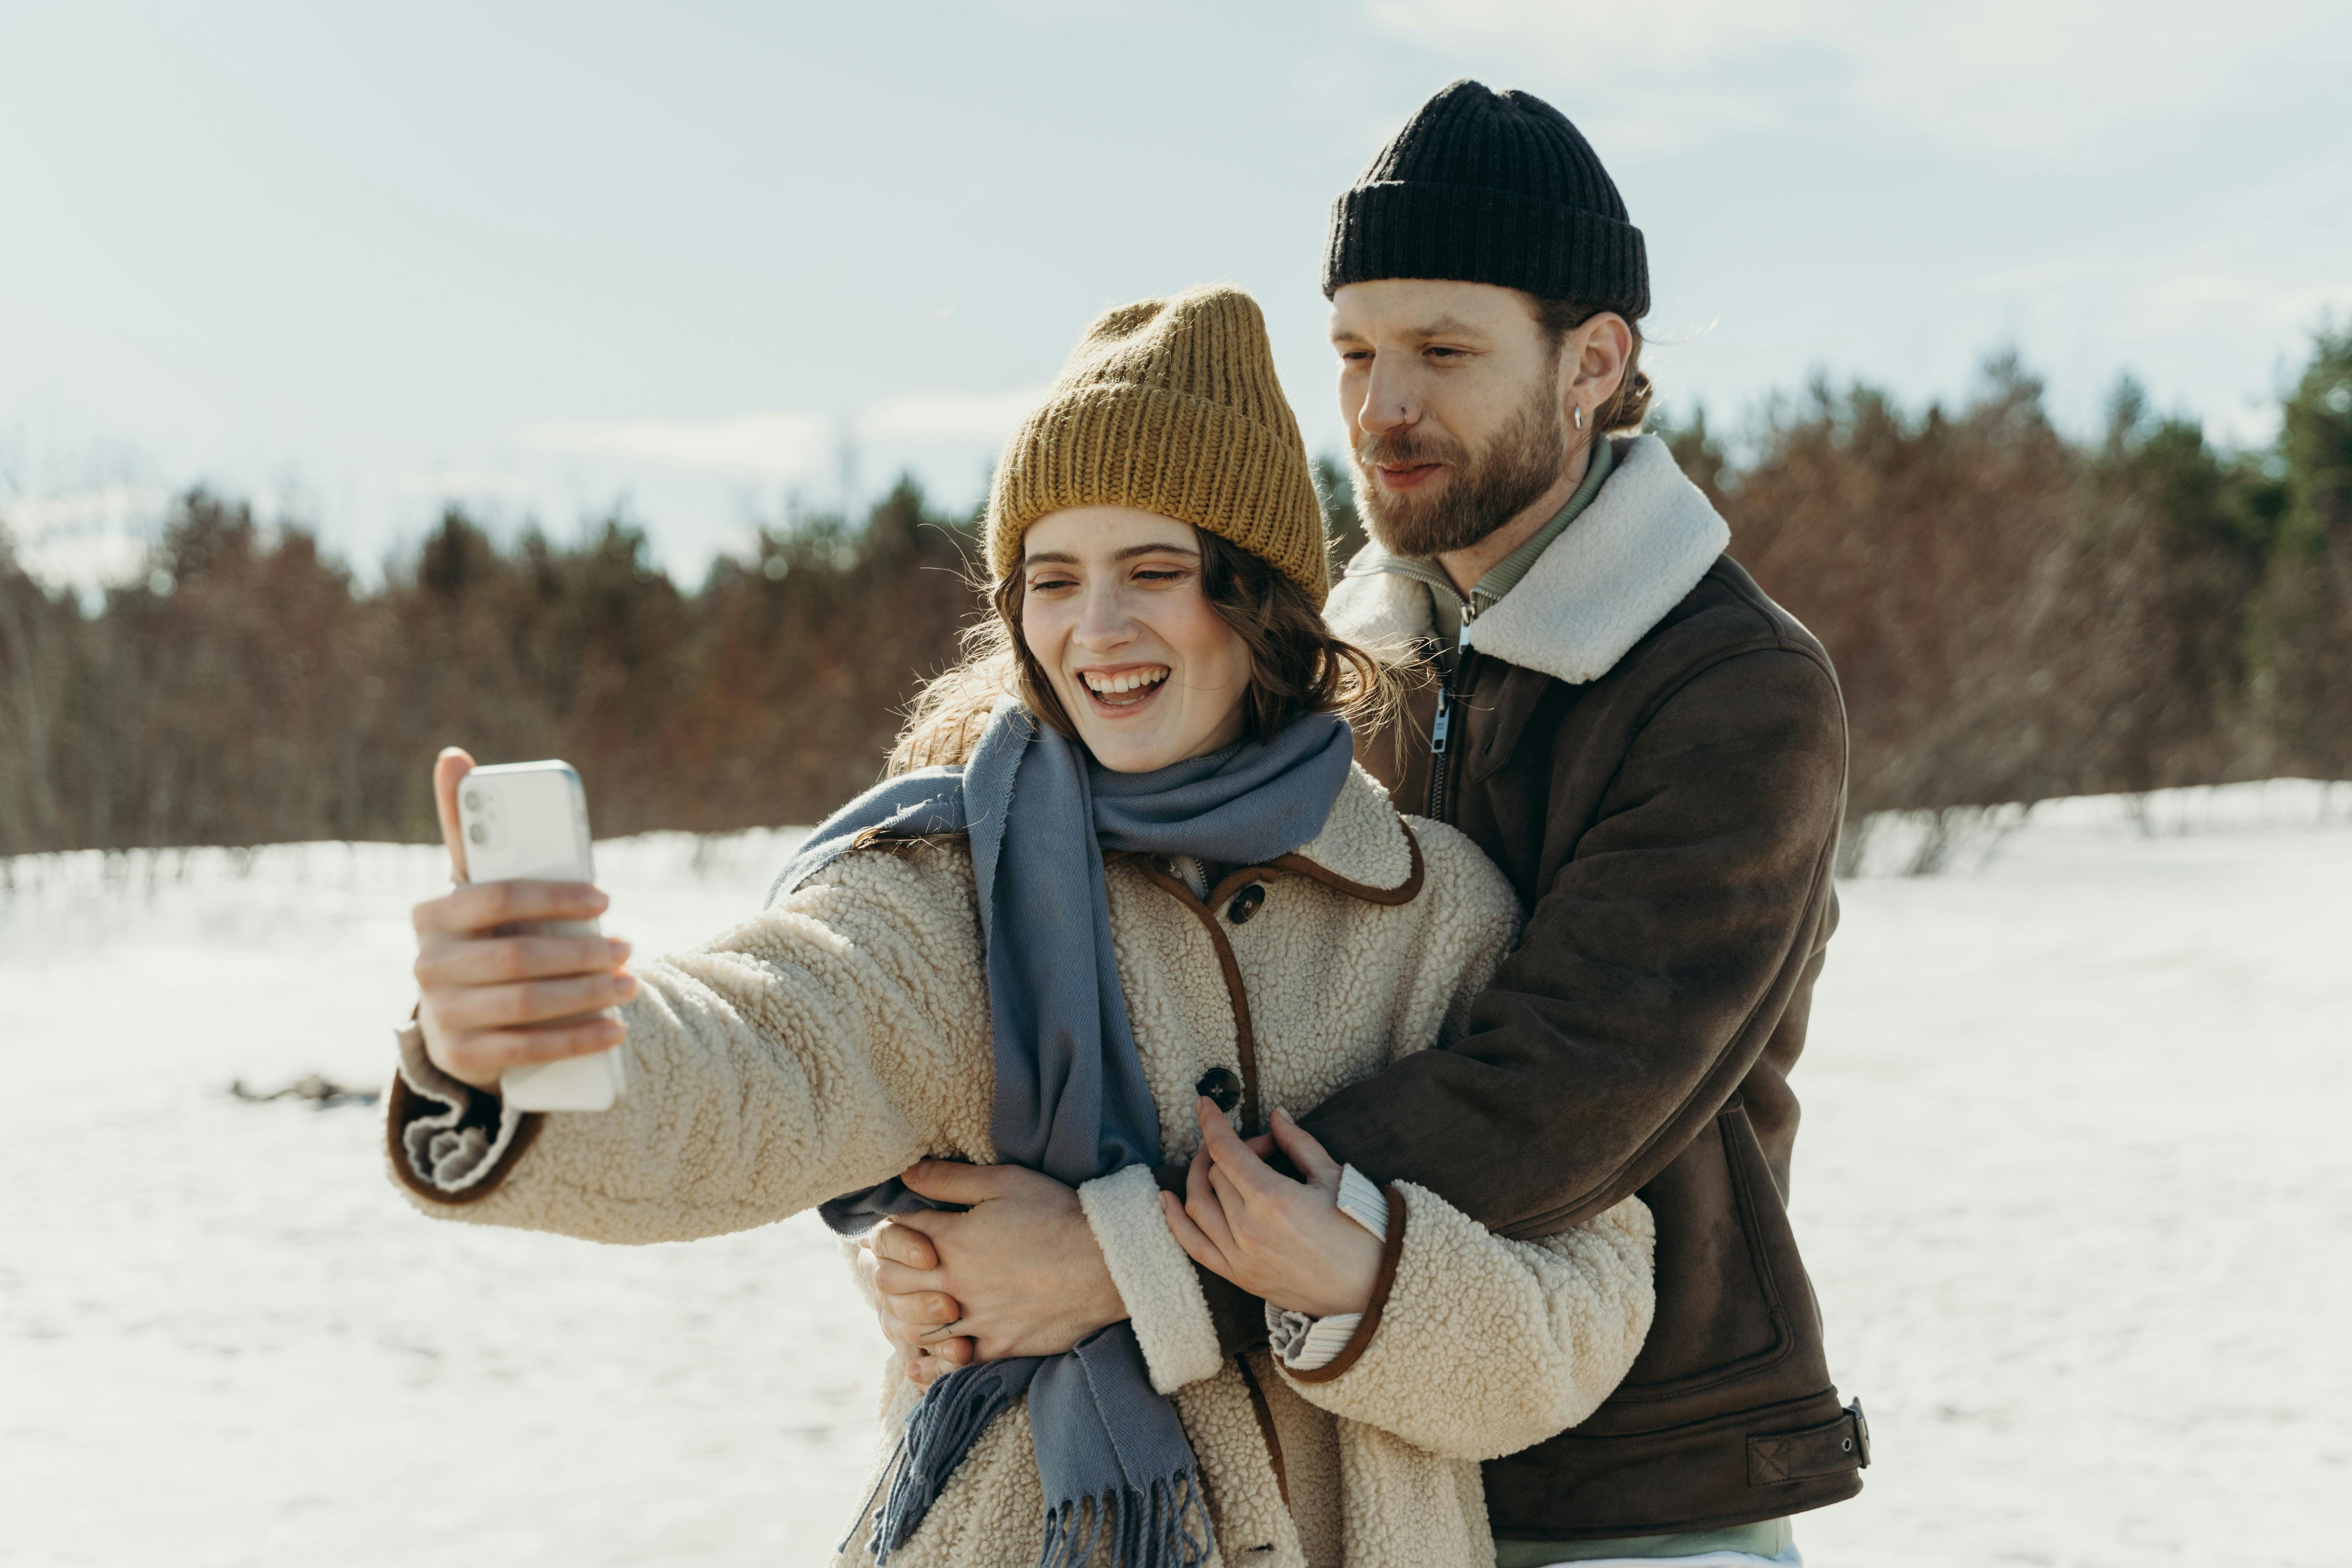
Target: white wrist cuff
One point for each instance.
(1304, 1343)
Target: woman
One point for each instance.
(1145, 898)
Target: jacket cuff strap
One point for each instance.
(1154, 1276)
(449, 1141)
(1391, 1254)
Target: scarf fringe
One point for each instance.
(1154, 1530)
(939, 1433)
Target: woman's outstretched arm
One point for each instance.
(819, 1048)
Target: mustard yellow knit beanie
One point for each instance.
(1169, 405)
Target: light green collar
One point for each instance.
(1447, 604)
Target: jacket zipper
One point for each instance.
(1437, 732)
(1440, 728)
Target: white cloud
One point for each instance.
(988, 416)
(1053, 12)
(2039, 276)
(461, 482)
(763, 445)
(84, 540)
(108, 507)
(2252, 425)
(2025, 75)
(770, 446)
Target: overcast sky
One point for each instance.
(358, 261)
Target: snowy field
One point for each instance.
(2072, 1184)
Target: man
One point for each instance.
(1655, 753)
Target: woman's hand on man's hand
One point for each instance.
(490, 1000)
(1285, 1242)
(1016, 1273)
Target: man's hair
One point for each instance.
(1297, 666)
(1630, 404)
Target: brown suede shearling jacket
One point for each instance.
(1655, 753)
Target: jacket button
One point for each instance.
(1222, 1088)
(1246, 903)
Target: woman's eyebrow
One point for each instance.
(1063, 558)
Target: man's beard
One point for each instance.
(1477, 496)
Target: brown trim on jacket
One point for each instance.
(1205, 911)
(407, 1106)
(1265, 1413)
(1245, 1038)
(1300, 865)
(1391, 1254)
(1239, 1316)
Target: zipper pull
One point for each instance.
(1443, 722)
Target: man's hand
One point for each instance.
(1017, 1274)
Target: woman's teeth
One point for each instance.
(1110, 686)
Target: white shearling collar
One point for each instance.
(1643, 543)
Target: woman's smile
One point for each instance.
(1120, 692)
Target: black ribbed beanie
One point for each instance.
(1491, 187)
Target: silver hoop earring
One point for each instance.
(1576, 412)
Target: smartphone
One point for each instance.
(531, 820)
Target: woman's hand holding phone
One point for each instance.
(491, 1000)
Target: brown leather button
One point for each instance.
(1222, 1086)
(1246, 903)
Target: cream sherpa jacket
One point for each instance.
(833, 1040)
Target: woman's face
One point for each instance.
(1112, 608)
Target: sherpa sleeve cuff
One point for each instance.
(1474, 1346)
(449, 1143)
(1154, 1276)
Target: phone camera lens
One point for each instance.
(479, 833)
(473, 800)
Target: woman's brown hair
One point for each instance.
(1297, 666)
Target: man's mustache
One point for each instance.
(1406, 450)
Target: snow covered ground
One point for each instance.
(2073, 1184)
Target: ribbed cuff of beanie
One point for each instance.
(1168, 452)
(1413, 230)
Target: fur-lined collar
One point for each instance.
(1643, 543)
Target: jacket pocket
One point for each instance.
(1721, 1227)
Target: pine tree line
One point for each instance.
(2015, 616)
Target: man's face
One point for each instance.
(1455, 412)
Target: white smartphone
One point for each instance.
(531, 820)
